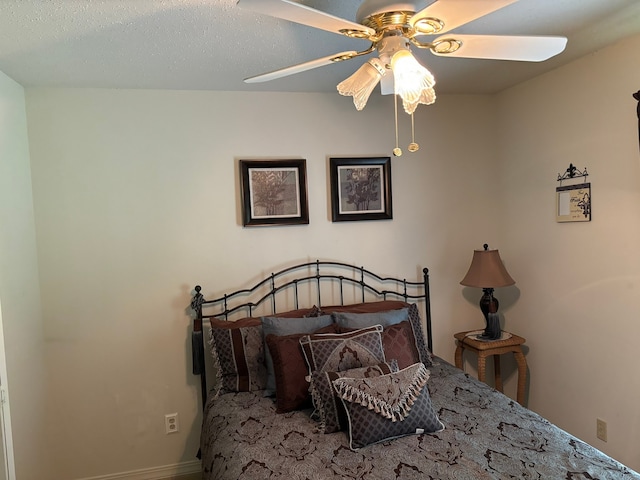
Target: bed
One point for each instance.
(324, 370)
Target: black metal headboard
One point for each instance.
(313, 275)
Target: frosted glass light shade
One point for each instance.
(427, 97)
(413, 82)
(362, 82)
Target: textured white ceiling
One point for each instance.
(214, 44)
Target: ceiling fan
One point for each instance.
(393, 27)
(381, 20)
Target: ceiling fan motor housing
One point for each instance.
(375, 7)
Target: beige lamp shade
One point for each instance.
(487, 271)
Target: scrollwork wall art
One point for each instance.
(573, 202)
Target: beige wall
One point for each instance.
(136, 200)
(19, 288)
(579, 282)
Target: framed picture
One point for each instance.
(360, 189)
(274, 192)
(573, 203)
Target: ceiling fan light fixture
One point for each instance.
(362, 82)
(427, 97)
(413, 82)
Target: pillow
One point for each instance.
(387, 407)
(418, 333)
(343, 351)
(367, 307)
(363, 320)
(290, 370)
(399, 343)
(238, 354)
(386, 305)
(287, 326)
(325, 399)
(238, 359)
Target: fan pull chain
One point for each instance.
(413, 146)
(397, 152)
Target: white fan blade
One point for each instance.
(298, 13)
(454, 13)
(302, 67)
(504, 47)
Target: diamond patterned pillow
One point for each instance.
(387, 407)
(399, 343)
(418, 333)
(328, 404)
(343, 351)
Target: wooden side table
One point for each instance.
(495, 348)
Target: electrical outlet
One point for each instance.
(171, 424)
(601, 429)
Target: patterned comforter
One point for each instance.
(487, 436)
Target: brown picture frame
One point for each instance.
(274, 192)
(360, 189)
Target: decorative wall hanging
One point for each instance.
(360, 189)
(637, 97)
(573, 202)
(274, 192)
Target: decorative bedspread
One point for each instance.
(487, 436)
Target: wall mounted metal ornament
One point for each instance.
(573, 202)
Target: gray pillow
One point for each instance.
(388, 406)
(287, 326)
(363, 320)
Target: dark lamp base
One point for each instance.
(489, 306)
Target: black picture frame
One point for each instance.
(360, 189)
(274, 192)
(573, 203)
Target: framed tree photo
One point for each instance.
(360, 189)
(274, 192)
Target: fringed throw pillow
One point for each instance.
(387, 407)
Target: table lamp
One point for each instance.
(488, 272)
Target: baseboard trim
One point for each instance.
(154, 473)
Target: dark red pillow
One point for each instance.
(290, 369)
(399, 344)
(367, 307)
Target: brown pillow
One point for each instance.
(290, 370)
(238, 357)
(238, 354)
(398, 343)
(367, 307)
